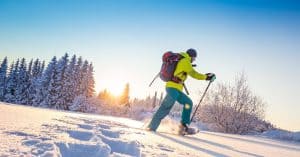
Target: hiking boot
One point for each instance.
(149, 129)
(183, 128)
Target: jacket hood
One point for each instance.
(185, 55)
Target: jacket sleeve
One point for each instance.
(192, 72)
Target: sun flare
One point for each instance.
(114, 80)
(115, 90)
(114, 87)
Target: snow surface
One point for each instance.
(28, 131)
(282, 134)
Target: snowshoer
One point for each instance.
(174, 89)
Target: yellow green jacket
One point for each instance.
(184, 68)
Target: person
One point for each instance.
(174, 89)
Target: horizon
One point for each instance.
(126, 39)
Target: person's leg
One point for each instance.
(187, 108)
(164, 109)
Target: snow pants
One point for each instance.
(172, 96)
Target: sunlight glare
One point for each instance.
(113, 85)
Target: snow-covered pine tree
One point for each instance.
(8, 86)
(42, 95)
(69, 82)
(23, 83)
(78, 77)
(91, 81)
(83, 90)
(29, 73)
(29, 69)
(36, 68)
(85, 84)
(11, 86)
(53, 89)
(79, 104)
(42, 68)
(40, 86)
(3, 78)
(34, 81)
(61, 88)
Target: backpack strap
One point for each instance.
(177, 80)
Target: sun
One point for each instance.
(114, 80)
(114, 87)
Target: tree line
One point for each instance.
(53, 86)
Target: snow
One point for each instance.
(28, 131)
(283, 135)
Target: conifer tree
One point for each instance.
(62, 91)
(29, 69)
(83, 83)
(78, 77)
(124, 100)
(34, 82)
(90, 82)
(22, 93)
(43, 95)
(69, 82)
(11, 86)
(3, 78)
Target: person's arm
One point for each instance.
(196, 75)
(192, 72)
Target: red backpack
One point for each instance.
(170, 61)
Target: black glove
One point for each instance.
(210, 77)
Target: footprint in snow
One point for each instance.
(79, 150)
(31, 142)
(80, 135)
(111, 134)
(44, 149)
(39, 147)
(124, 147)
(103, 126)
(20, 133)
(85, 126)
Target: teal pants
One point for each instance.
(172, 96)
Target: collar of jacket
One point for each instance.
(185, 55)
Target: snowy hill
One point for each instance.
(27, 131)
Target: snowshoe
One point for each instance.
(185, 130)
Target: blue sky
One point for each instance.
(126, 38)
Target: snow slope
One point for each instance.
(27, 131)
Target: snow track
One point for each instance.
(27, 131)
(65, 136)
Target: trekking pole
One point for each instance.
(200, 100)
(186, 90)
(153, 80)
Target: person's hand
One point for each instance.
(210, 77)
